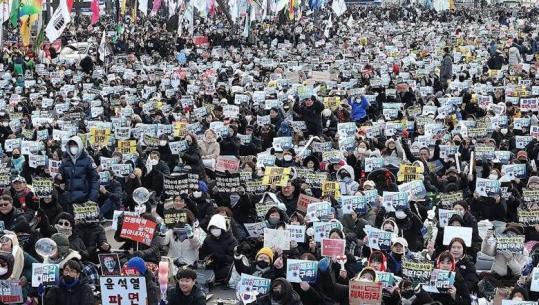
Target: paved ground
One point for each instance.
(219, 292)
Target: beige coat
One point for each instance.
(209, 150)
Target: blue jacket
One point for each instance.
(359, 110)
(79, 174)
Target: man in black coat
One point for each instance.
(186, 292)
(73, 288)
(310, 111)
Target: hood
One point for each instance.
(348, 169)
(446, 254)
(458, 218)
(78, 141)
(367, 270)
(314, 159)
(218, 221)
(379, 256)
(276, 202)
(8, 257)
(391, 221)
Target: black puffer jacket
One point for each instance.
(290, 295)
(78, 294)
(93, 235)
(176, 297)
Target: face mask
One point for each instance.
(197, 194)
(273, 221)
(503, 131)
(361, 150)
(287, 157)
(262, 264)
(5, 124)
(162, 143)
(153, 162)
(74, 150)
(493, 177)
(63, 230)
(452, 179)
(16, 156)
(364, 280)
(215, 232)
(517, 299)
(3, 271)
(457, 142)
(68, 279)
(277, 295)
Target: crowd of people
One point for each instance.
(407, 136)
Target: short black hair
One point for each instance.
(186, 273)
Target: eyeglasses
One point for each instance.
(69, 271)
(3, 205)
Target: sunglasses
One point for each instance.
(64, 223)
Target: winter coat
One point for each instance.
(513, 57)
(185, 251)
(80, 175)
(78, 294)
(462, 297)
(350, 187)
(311, 116)
(222, 252)
(504, 262)
(209, 150)
(359, 108)
(466, 267)
(93, 235)
(176, 297)
(291, 297)
(446, 68)
(192, 158)
(13, 219)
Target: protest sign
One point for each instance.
(110, 264)
(276, 176)
(86, 211)
(531, 198)
(297, 233)
(510, 244)
(46, 274)
(386, 278)
(319, 211)
(333, 247)
(304, 201)
(354, 203)
(487, 187)
(255, 229)
(395, 201)
(138, 229)
(42, 187)
(515, 302)
(127, 146)
(451, 232)
(176, 184)
(409, 173)
(440, 281)
(99, 136)
(534, 286)
(528, 218)
(361, 293)
(444, 216)
(175, 218)
(415, 189)
(114, 289)
(298, 271)
(322, 229)
(277, 238)
(417, 272)
(227, 163)
(249, 283)
(11, 292)
(446, 200)
(379, 239)
(373, 163)
(331, 188)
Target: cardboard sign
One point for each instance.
(319, 211)
(409, 173)
(304, 201)
(249, 283)
(46, 274)
(298, 271)
(127, 146)
(440, 281)
(11, 292)
(332, 189)
(386, 278)
(446, 200)
(255, 229)
(110, 264)
(227, 163)
(510, 244)
(395, 201)
(322, 229)
(379, 239)
(333, 247)
(528, 218)
(487, 187)
(364, 293)
(451, 232)
(417, 272)
(138, 229)
(277, 238)
(535, 280)
(86, 211)
(276, 176)
(297, 233)
(99, 136)
(444, 216)
(354, 203)
(42, 187)
(174, 185)
(123, 289)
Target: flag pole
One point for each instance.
(2, 27)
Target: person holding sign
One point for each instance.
(346, 179)
(150, 252)
(73, 288)
(183, 238)
(263, 265)
(185, 292)
(457, 293)
(281, 292)
(505, 260)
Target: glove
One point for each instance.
(189, 231)
(323, 265)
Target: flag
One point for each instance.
(339, 7)
(155, 6)
(39, 39)
(143, 6)
(14, 15)
(350, 22)
(30, 7)
(291, 8)
(103, 47)
(26, 25)
(58, 22)
(6, 7)
(95, 12)
(69, 5)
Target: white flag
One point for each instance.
(58, 22)
(143, 6)
(103, 48)
(339, 7)
(350, 22)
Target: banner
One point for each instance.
(11, 292)
(333, 247)
(117, 288)
(298, 271)
(46, 274)
(277, 238)
(138, 229)
(361, 293)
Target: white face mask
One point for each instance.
(3, 271)
(74, 150)
(162, 143)
(197, 194)
(63, 230)
(503, 131)
(215, 232)
(287, 157)
(493, 177)
(517, 299)
(153, 162)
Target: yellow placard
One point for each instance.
(180, 129)
(276, 176)
(409, 173)
(127, 146)
(331, 188)
(99, 136)
(332, 102)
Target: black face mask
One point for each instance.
(407, 293)
(262, 264)
(452, 179)
(68, 279)
(457, 143)
(397, 255)
(16, 156)
(277, 295)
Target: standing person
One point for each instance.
(78, 171)
(73, 288)
(446, 68)
(186, 292)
